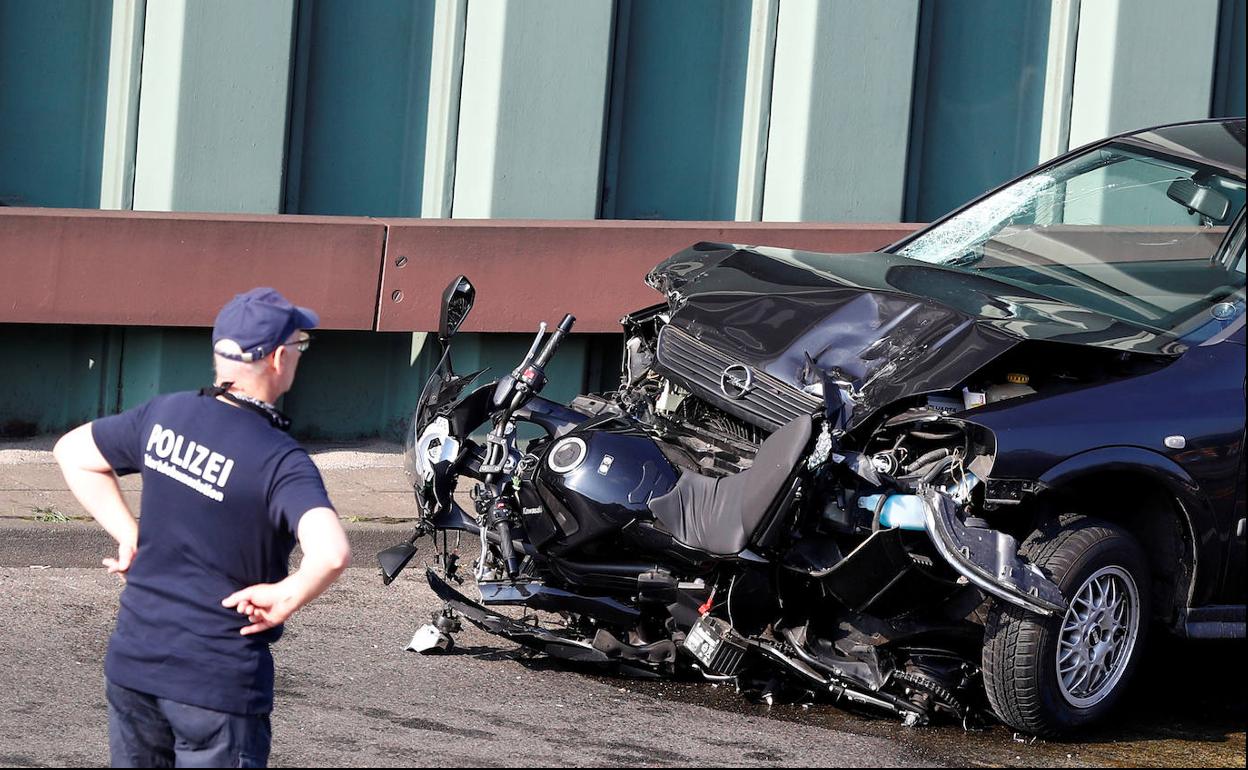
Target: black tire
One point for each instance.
(1020, 648)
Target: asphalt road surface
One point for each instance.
(349, 695)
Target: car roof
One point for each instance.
(1218, 143)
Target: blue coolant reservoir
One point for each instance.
(907, 511)
(904, 511)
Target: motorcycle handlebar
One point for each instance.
(507, 549)
(552, 344)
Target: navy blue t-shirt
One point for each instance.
(223, 493)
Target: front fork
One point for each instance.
(495, 509)
(497, 512)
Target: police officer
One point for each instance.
(226, 493)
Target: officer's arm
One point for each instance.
(326, 555)
(93, 482)
(326, 552)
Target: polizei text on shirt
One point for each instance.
(188, 462)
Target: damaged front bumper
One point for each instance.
(987, 558)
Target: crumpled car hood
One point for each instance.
(886, 327)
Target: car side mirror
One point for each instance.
(456, 302)
(1196, 197)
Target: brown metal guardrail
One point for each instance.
(149, 269)
(171, 269)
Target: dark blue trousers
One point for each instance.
(146, 731)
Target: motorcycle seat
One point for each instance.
(719, 515)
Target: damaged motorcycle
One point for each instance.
(856, 477)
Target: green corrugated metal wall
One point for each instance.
(355, 132)
(351, 384)
(53, 85)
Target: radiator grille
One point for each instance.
(769, 404)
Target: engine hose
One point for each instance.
(935, 435)
(875, 515)
(935, 470)
(919, 471)
(929, 457)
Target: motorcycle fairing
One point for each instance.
(522, 633)
(538, 596)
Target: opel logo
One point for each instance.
(736, 381)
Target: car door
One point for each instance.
(1234, 590)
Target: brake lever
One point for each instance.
(508, 387)
(530, 378)
(537, 341)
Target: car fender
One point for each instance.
(1196, 513)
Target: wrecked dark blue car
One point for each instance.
(966, 473)
(1086, 323)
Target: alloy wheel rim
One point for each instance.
(1098, 637)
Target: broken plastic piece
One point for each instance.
(973, 398)
(429, 639)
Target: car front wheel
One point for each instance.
(1049, 676)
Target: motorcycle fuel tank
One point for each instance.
(600, 477)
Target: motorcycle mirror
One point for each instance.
(456, 302)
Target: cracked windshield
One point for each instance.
(1135, 236)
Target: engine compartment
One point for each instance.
(929, 439)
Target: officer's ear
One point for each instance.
(278, 359)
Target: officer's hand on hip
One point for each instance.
(266, 605)
(121, 565)
(326, 553)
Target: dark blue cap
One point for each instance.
(255, 323)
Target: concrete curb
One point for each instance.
(365, 481)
